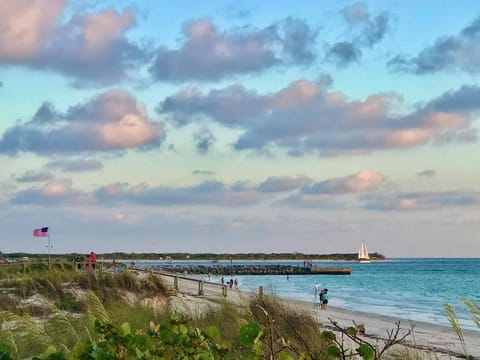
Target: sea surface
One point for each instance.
(411, 289)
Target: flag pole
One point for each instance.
(49, 260)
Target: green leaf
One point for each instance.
(248, 334)
(139, 354)
(328, 335)
(50, 350)
(125, 329)
(177, 339)
(183, 329)
(212, 332)
(366, 352)
(284, 356)
(165, 332)
(333, 351)
(352, 331)
(5, 354)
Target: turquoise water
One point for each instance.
(412, 289)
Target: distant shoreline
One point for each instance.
(237, 260)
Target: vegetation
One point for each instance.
(474, 310)
(105, 325)
(58, 338)
(205, 256)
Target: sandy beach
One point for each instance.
(441, 341)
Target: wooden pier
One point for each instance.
(253, 270)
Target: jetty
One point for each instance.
(220, 269)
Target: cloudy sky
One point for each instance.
(240, 126)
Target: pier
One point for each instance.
(253, 269)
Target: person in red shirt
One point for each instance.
(93, 259)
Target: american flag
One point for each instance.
(42, 232)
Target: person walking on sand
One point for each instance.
(223, 281)
(236, 283)
(324, 299)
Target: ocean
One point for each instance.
(410, 289)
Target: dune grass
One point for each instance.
(70, 320)
(283, 322)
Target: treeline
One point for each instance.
(205, 256)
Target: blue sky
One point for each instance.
(240, 126)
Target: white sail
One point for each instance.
(363, 253)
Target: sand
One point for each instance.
(441, 341)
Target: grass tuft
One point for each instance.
(452, 318)
(299, 327)
(95, 308)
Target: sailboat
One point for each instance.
(363, 257)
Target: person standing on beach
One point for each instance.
(223, 281)
(79, 260)
(324, 299)
(93, 259)
(236, 283)
(320, 298)
(89, 262)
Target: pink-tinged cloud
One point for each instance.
(58, 187)
(409, 138)
(363, 181)
(54, 193)
(90, 48)
(304, 118)
(297, 93)
(373, 108)
(131, 131)
(113, 120)
(24, 27)
(444, 120)
(112, 190)
(103, 28)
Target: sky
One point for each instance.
(227, 126)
